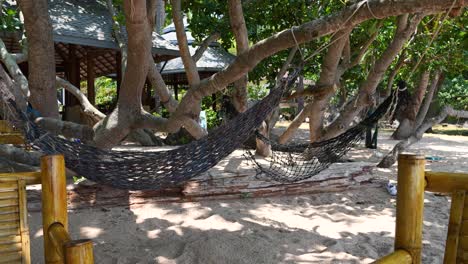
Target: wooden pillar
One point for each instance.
(54, 202)
(176, 91)
(213, 98)
(410, 205)
(118, 66)
(90, 74)
(72, 106)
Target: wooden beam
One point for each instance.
(90, 75)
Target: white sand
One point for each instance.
(350, 227)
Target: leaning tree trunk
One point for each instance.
(392, 156)
(408, 118)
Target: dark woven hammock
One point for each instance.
(296, 162)
(136, 170)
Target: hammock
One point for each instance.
(136, 170)
(296, 162)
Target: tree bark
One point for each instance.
(295, 124)
(19, 155)
(408, 120)
(121, 121)
(327, 78)
(368, 87)
(190, 66)
(118, 30)
(14, 70)
(427, 99)
(392, 156)
(319, 103)
(239, 28)
(67, 129)
(41, 57)
(86, 105)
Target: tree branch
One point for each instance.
(427, 99)
(87, 107)
(204, 45)
(368, 87)
(118, 34)
(193, 77)
(65, 128)
(304, 33)
(14, 70)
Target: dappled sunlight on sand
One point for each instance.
(348, 227)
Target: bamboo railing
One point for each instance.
(58, 246)
(412, 182)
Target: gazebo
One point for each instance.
(85, 47)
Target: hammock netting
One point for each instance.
(296, 162)
(138, 170)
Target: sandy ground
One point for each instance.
(349, 227)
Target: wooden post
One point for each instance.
(90, 75)
(213, 98)
(118, 68)
(410, 205)
(54, 202)
(79, 252)
(72, 106)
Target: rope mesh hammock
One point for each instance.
(296, 162)
(136, 170)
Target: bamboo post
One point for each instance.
(54, 203)
(79, 252)
(410, 205)
(397, 257)
(455, 222)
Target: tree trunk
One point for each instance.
(417, 134)
(41, 57)
(408, 120)
(428, 99)
(160, 16)
(236, 18)
(327, 78)
(120, 122)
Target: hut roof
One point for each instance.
(87, 25)
(214, 59)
